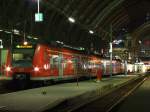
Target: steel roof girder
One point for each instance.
(106, 11)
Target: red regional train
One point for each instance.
(43, 63)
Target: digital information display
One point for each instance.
(24, 46)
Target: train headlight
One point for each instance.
(8, 69)
(36, 69)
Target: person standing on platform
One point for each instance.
(99, 74)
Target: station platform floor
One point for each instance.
(41, 99)
(138, 101)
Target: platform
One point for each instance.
(138, 101)
(40, 99)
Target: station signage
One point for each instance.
(38, 17)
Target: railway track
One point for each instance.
(7, 88)
(14, 87)
(108, 102)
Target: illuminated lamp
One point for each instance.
(8, 69)
(25, 43)
(36, 69)
(72, 20)
(91, 32)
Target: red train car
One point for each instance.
(44, 63)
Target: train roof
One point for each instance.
(145, 59)
(70, 49)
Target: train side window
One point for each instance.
(67, 60)
(54, 61)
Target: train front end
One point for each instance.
(19, 64)
(22, 62)
(16, 63)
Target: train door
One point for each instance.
(60, 65)
(69, 65)
(56, 64)
(3, 59)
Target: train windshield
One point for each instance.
(22, 57)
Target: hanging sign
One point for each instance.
(38, 17)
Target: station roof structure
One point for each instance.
(92, 20)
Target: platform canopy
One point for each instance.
(92, 19)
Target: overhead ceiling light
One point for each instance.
(16, 31)
(29, 37)
(117, 41)
(7, 32)
(35, 38)
(72, 20)
(91, 32)
(58, 41)
(61, 42)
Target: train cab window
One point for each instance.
(17, 56)
(25, 54)
(22, 57)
